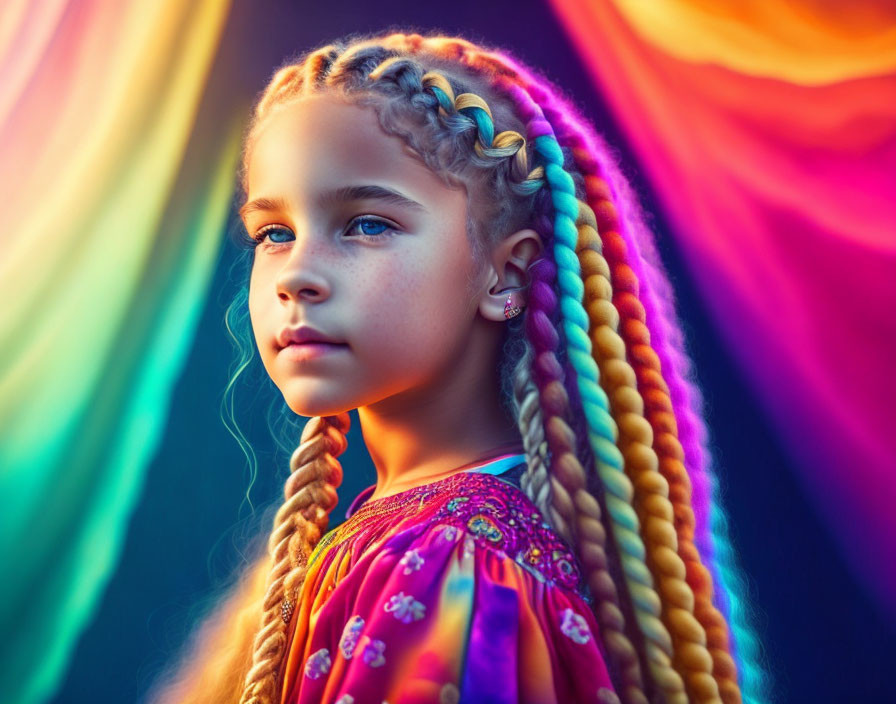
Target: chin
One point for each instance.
(308, 403)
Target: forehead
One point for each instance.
(323, 140)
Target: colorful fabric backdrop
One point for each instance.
(768, 132)
(108, 244)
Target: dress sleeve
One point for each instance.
(441, 617)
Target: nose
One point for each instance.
(301, 277)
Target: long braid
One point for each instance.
(640, 258)
(571, 508)
(660, 413)
(567, 476)
(623, 659)
(561, 440)
(688, 634)
(603, 433)
(310, 494)
(591, 539)
(684, 397)
(698, 577)
(535, 481)
(689, 629)
(620, 380)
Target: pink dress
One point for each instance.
(454, 591)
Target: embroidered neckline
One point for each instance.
(495, 466)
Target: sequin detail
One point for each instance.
(503, 518)
(484, 526)
(575, 626)
(318, 664)
(350, 635)
(495, 513)
(405, 607)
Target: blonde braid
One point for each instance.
(652, 490)
(310, 493)
(536, 484)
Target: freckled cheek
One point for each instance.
(410, 311)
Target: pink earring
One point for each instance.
(511, 309)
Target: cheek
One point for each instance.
(415, 308)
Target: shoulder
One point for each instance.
(483, 512)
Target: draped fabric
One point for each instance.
(452, 591)
(768, 133)
(109, 238)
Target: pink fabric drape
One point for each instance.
(777, 179)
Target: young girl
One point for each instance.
(441, 243)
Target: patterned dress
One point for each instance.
(453, 591)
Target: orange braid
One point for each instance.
(659, 413)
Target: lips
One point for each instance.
(307, 351)
(303, 335)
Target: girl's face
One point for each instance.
(362, 242)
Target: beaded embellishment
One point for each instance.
(502, 517)
(487, 510)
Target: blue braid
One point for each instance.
(602, 429)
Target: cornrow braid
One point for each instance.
(310, 493)
(508, 143)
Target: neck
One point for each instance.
(420, 437)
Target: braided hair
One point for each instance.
(583, 369)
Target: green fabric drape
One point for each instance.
(105, 262)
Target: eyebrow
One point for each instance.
(338, 195)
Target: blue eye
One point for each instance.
(370, 228)
(263, 232)
(368, 222)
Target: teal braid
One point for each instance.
(446, 102)
(602, 430)
(483, 122)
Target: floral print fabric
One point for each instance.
(455, 591)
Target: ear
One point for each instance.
(507, 273)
